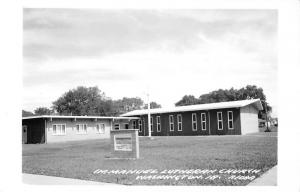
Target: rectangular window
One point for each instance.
(100, 128)
(126, 126)
(158, 123)
(179, 122)
(194, 122)
(140, 125)
(151, 124)
(59, 129)
(203, 121)
(117, 126)
(134, 124)
(220, 121)
(171, 122)
(230, 119)
(81, 129)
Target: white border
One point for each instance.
(289, 60)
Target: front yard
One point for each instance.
(81, 158)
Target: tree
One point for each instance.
(153, 105)
(187, 100)
(126, 104)
(83, 101)
(43, 111)
(27, 113)
(223, 95)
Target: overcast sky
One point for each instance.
(127, 52)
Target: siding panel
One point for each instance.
(249, 120)
(211, 123)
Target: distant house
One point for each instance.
(48, 129)
(224, 118)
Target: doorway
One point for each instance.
(24, 134)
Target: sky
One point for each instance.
(128, 53)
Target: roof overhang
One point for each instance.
(75, 117)
(210, 106)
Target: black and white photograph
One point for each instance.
(154, 96)
(150, 97)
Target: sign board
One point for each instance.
(123, 142)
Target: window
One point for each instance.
(151, 124)
(194, 122)
(117, 126)
(140, 125)
(59, 129)
(24, 127)
(230, 119)
(158, 123)
(100, 128)
(126, 126)
(81, 129)
(134, 124)
(220, 121)
(179, 122)
(171, 122)
(203, 121)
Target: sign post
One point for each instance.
(124, 144)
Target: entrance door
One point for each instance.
(24, 134)
(126, 126)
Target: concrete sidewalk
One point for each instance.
(49, 180)
(267, 179)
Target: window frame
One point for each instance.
(61, 133)
(126, 124)
(220, 120)
(194, 122)
(151, 123)
(171, 124)
(134, 124)
(140, 125)
(118, 126)
(203, 129)
(230, 119)
(84, 128)
(98, 128)
(179, 122)
(158, 124)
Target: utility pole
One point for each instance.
(267, 122)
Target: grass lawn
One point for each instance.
(81, 158)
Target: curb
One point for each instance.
(50, 180)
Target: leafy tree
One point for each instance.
(153, 105)
(83, 101)
(223, 95)
(187, 100)
(126, 104)
(43, 111)
(27, 113)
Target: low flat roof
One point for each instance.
(221, 105)
(76, 117)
